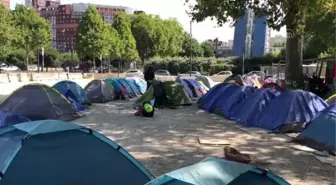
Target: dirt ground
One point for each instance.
(169, 141)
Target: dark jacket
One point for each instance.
(149, 75)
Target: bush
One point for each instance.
(179, 65)
(209, 66)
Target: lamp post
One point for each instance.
(42, 52)
(191, 46)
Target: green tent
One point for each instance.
(175, 93)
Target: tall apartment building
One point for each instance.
(251, 36)
(65, 20)
(6, 3)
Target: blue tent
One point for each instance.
(196, 88)
(222, 90)
(8, 118)
(74, 93)
(54, 152)
(140, 84)
(186, 86)
(246, 111)
(129, 89)
(133, 86)
(320, 133)
(232, 98)
(290, 108)
(120, 90)
(214, 171)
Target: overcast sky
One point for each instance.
(167, 9)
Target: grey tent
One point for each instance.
(39, 102)
(100, 91)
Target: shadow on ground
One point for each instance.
(169, 141)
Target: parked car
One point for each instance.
(221, 76)
(192, 73)
(32, 68)
(5, 67)
(223, 73)
(162, 73)
(133, 72)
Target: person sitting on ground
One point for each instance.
(149, 75)
(146, 109)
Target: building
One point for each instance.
(251, 36)
(6, 3)
(222, 48)
(65, 19)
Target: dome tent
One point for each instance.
(8, 118)
(290, 111)
(141, 84)
(120, 90)
(100, 91)
(246, 111)
(216, 171)
(168, 93)
(224, 105)
(320, 132)
(57, 152)
(220, 91)
(39, 102)
(207, 81)
(74, 93)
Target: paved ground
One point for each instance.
(169, 141)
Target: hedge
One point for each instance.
(209, 66)
(177, 65)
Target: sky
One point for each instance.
(170, 9)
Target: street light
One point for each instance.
(190, 46)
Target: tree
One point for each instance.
(279, 13)
(33, 31)
(208, 49)
(6, 32)
(191, 46)
(147, 35)
(172, 39)
(122, 24)
(92, 36)
(68, 59)
(115, 44)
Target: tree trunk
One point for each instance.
(294, 73)
(27, 58)
(94, 64)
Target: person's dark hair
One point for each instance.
(150, 69)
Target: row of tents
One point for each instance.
(65, 100)
(270, 109)
(59, 153)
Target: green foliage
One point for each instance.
(279, 44)
(147, 35)
(115, 44)
(17, 57)
(122, 24)
(290, 13)
(92, 36)
(6, 31)
(68, 59)
(174, 33)
(177, 65)
(32, 31)
(208, 49)
(191, 46)
(50, 57)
